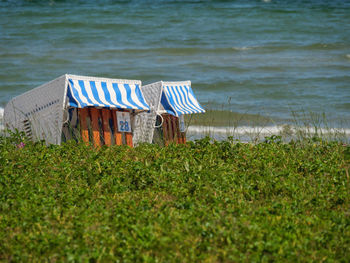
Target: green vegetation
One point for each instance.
(226, 118)
(254, 128)
(201, 202)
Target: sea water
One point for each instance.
(253, 58)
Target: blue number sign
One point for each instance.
(123, 121)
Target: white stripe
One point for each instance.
(78, 89)
(184, 97)
(169, 95)
(194, 100)
(89, 92)
(113, 95)
(134, 96)
(71, 91)
(101, 94)
(177, 105)
(191, 102)
(90, 100)
(124, 96)
(182, 106)
(174, 105)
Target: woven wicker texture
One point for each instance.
(39, 112)
(145, 121)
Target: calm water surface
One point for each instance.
(250, 57)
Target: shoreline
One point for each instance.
(253, 133)
(219, 125)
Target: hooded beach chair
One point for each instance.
(169, 102)
(97, 110)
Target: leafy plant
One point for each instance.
(205, 201)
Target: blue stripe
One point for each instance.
(180, 102)
(83, 91)
(128, 96)
(166, 105)
(187, 108)
(172, 103)
(75, 94)
(119, 96)
(95, 94)
(139, 95)
(200, 107)
(107, 94)
(189, 103)
(172, 93)
(184, 92)
(72, 102)
(181, 106)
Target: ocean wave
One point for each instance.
(1, 119)
(243, 48)
(202, 49)
(260, 131)
(347, 56)
(82, 25)
(279, 47)
(167, 50)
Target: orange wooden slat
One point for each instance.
(128, 139)
(83, 115)
(95, 127)
(165, 130)
(106, 130)
(170, 128)
(177, 129)
(117, 134)
(183, 137)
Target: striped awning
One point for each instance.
(107, 94)
(179, 99)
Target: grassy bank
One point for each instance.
(302, 125)
(200, 202)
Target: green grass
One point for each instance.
(226, 118)
(201, 202)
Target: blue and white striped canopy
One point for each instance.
(179, 99)
(106, 94)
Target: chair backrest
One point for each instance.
(145, 121)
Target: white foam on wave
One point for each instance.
(1, 119)
(242, 48)
(231, 130)
(248, 132)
